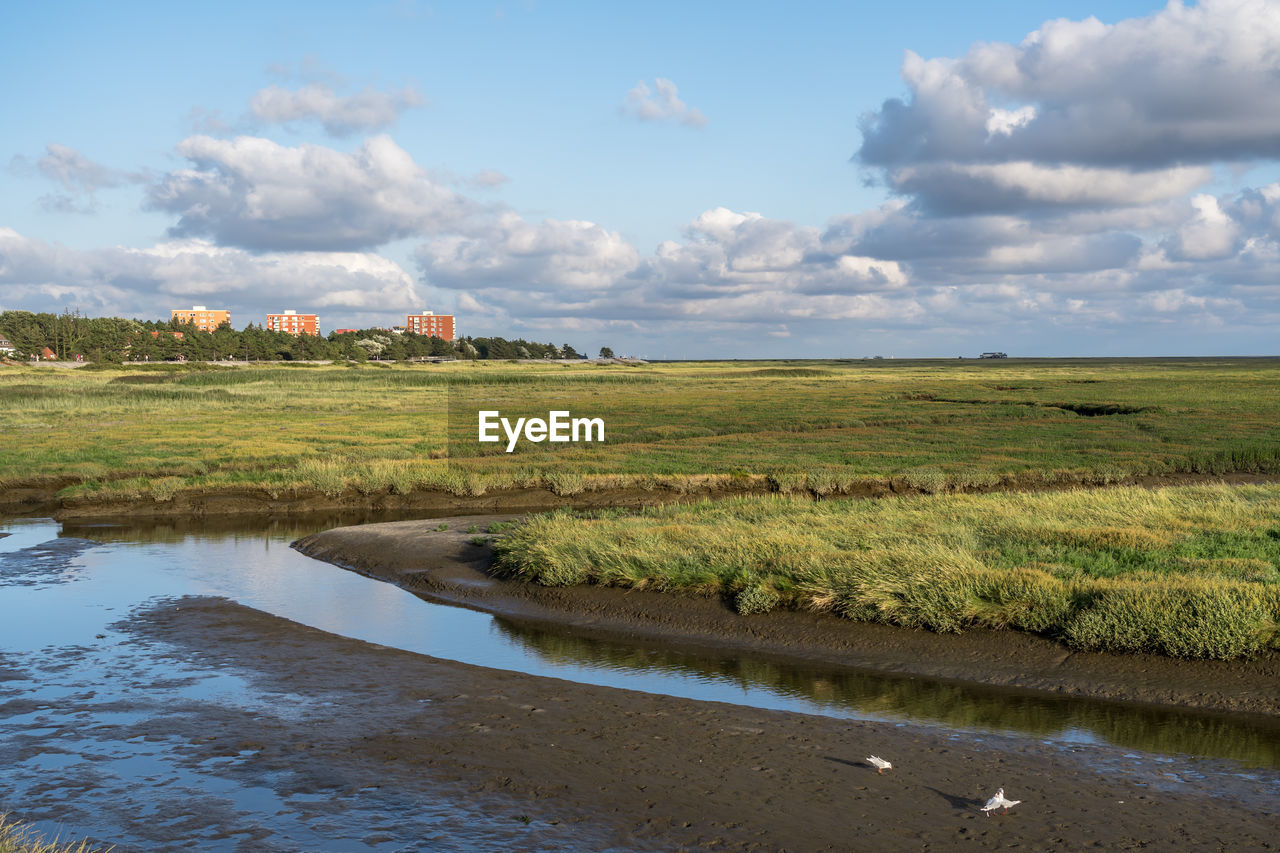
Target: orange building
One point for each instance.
(205, 319)
(294, 323)
(427, 323)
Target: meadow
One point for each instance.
(822, 428)
(1190, 571)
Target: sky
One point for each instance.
(673, 180)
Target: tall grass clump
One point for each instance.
(18, 837)
(323, 475)
(1189, 572)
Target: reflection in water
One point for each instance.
(88, 575)
(1253, 740)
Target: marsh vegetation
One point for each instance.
(1187, 572)
(824, 428)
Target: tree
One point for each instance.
(605, 352)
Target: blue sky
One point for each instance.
(676, 180)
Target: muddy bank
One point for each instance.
(545, 764)
(447, 565)
(41, 496)
(253, 502)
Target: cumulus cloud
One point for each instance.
(1211, 233)
(509, 252)
(662, 103)
(1021, 185)
(340, 115)
(1084, 113)
(256, 194)
(731, 268)
(147, 282)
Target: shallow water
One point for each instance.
(65, 592)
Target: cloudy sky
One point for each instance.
(674, 180)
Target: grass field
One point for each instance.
(1186, 572)
(1189, 572)
(819, 427)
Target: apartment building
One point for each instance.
(294, 323)
(429, 323)
(205, 319)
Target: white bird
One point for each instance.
(879, 763)
(999, 802)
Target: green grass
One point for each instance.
(824, 428)
(1187, 572)
(18, 837)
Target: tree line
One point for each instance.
(113, 339)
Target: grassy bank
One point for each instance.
(17, 837)
(815, 427)
(1186, 572)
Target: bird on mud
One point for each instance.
(999, 801)
(879, 764)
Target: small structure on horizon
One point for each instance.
(994, 355)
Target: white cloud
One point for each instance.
(662, 103)
(1210, 234)
(1154, 97)
(257, 194)
(732, 268)
(340, 115)
(510, 252)
(1005, 122)
(147, 283)
(1020, 185)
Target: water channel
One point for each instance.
(65, 592)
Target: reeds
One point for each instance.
(18, 837)
(1185, 572)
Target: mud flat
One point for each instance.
(547, 764)
(446, 566)
(196, 722)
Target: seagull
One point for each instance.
(879, 763)
(999, 802)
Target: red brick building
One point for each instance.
(427, 323)
(294, 323)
